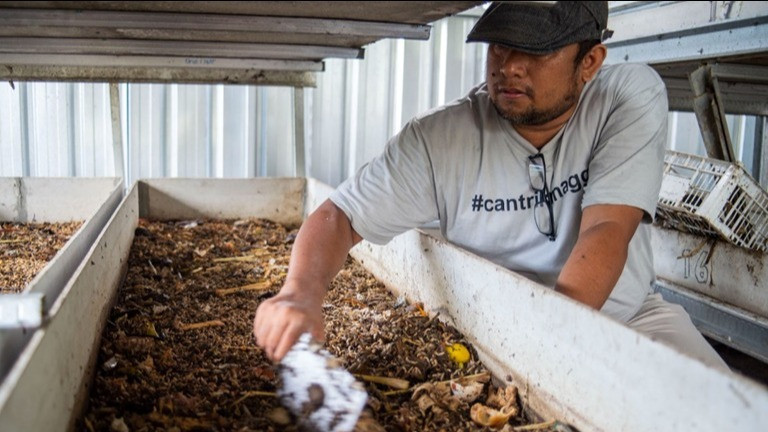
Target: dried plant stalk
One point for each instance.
(396, 383)
(258, 286)
(195, 326)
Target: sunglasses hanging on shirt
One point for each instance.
(543, 214)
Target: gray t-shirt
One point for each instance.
(467, 167)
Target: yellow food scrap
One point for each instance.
(458, 353)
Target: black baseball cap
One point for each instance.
(541, 27)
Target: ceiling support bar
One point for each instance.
(298, 132)
(708, 106)
(204, 49)
(155, 75)
(175, 26)
(117, 130)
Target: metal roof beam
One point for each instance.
(738, 99)
(710, 113)
(743, 88)
(723, 42)
(92, 60)
(190, 26)
(683, 31)
(173, 48)
(414, 12)
(162, 74)
(740, 73)
(659, 20)
(200, 41)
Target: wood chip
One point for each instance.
(26, 248)
(258, 286)
(395, 383)
(195, 326)
(244, 258)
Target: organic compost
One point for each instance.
(177, 352)
(26, 248)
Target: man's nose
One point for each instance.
(511, 61)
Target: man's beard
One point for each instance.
(534, 117)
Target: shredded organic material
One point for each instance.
(26, 248)
(177, 352)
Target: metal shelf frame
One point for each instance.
(262, 43)
(720, 321)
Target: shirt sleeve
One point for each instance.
(628, 159)
(394, 192)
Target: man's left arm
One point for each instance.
(597, 260)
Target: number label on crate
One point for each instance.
(696, 265)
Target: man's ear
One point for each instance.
(592, 62)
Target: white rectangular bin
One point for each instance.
(714, 268)
(722, 286)
(568, 361)
(55, 200)
(59, 200)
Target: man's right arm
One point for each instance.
(319, 252)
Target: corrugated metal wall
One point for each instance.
(54, 129)
(358, 105)
(64, 129)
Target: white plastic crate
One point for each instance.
(713, 198)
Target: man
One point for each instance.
(551, 168)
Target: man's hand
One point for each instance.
(319, 252)
(281, 319)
